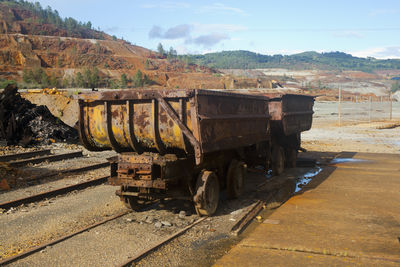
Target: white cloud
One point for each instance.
(219, 7)
(177, 32)
(385, 52)
(113, 29)
(205, 35)
(166, 5)
(182, 50)
(208, 40)
(206, 28)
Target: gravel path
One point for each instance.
(113, 242)
(47, 220)
(51, 184)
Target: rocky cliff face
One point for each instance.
(27, 42)
(65, 56)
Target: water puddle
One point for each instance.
(306, 178)
(346, 160)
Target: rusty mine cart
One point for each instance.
(190, 144)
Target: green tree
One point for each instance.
(160, 49)
(53, 81)
(147, 80)
(79, 80)
(91, 77)
(87, 75)
(67, 82)
(114, 84)
(138, 80)
(27, 76)
(124, 81)
(171, 53)
(44, 79)
(94, 78)
(4, 83)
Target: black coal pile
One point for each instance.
(23, 123)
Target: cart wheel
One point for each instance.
(133, 203)
(278, 160)
(291, 157)
(236, 178)
(207, 193)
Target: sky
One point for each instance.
(362, 28)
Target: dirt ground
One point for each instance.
(381, 136)
(114, 242)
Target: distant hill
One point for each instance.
(308, 60)
(39, 48)
(31, 18)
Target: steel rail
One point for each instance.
(53, 242)
(166, 240)
(58, 157)
(248, 217)
(25, 155)
(52, 193)
(68, 171)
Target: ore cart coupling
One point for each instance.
(184, 144)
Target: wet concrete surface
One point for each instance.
(304, 179)
(348, 215)
(347, 160)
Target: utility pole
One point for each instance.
(339, 106)
(370, 108)
(390, 105)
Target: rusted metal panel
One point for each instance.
(171, 121)
(291, 113)
(229, 121)
(149, 170)
(137, 126)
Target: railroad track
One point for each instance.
(48, 158)
(53, 242)
(25, 155)
(130, 261)
(68, 171)
(52, 193)
(243, 221)
(153, 248)
(237, 229)
(34, 157)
